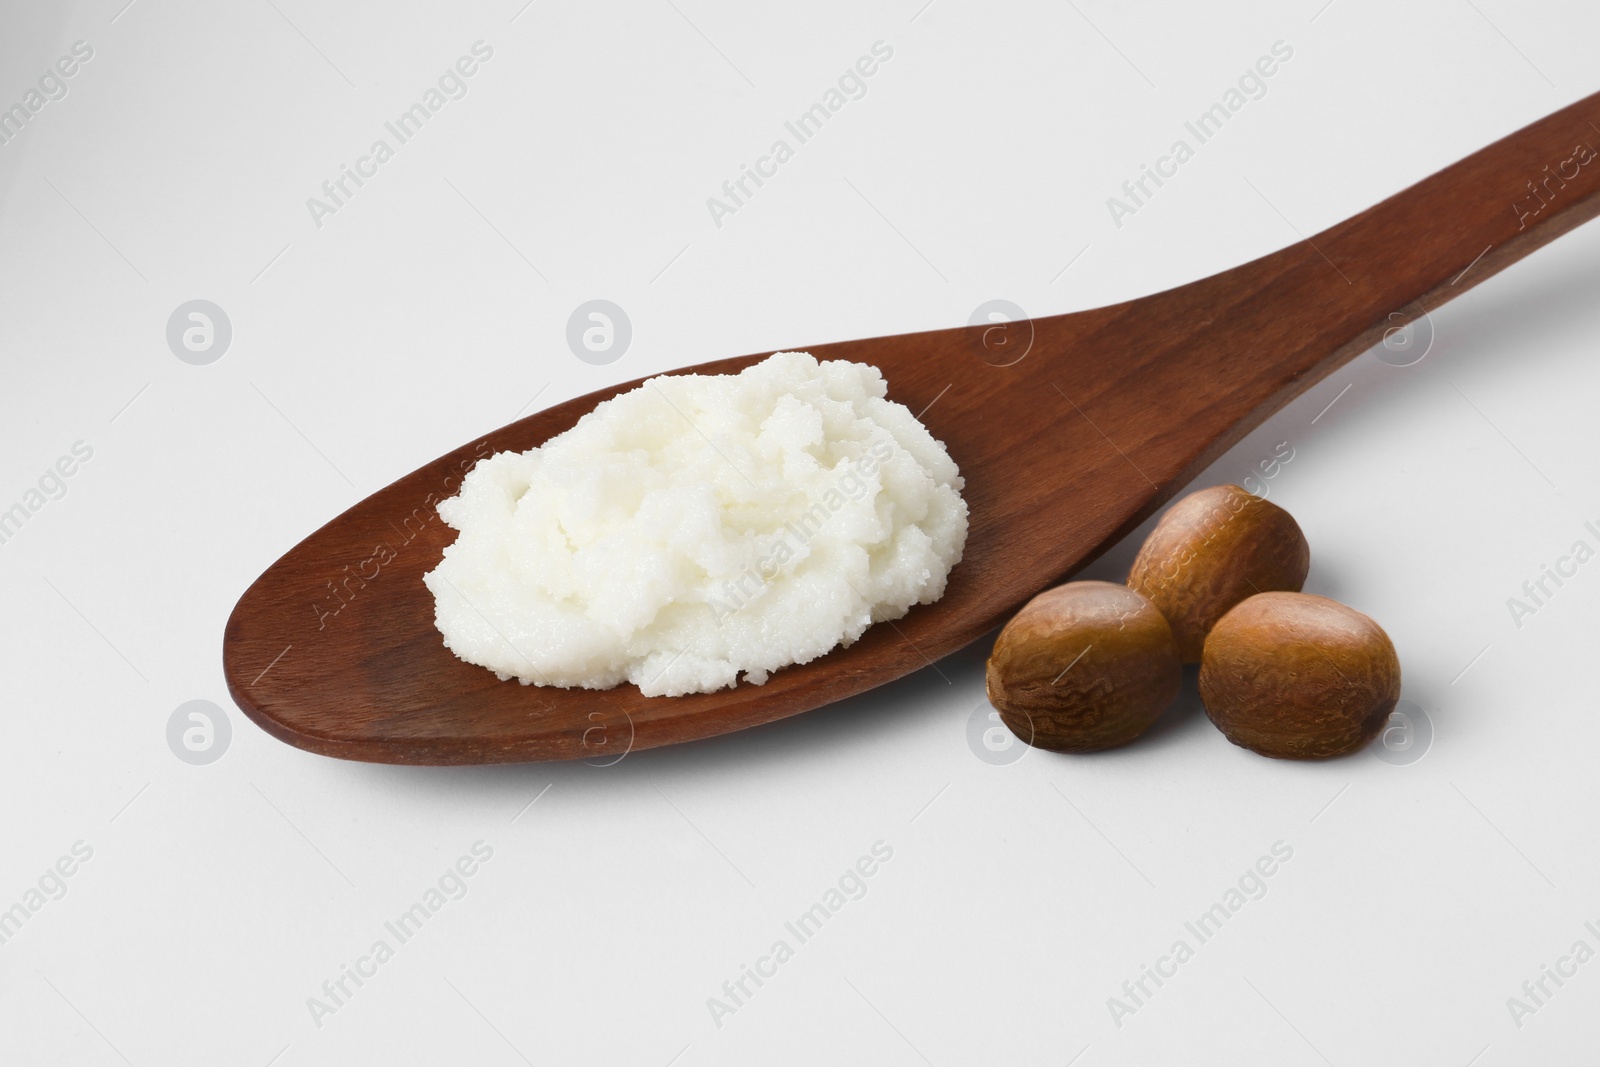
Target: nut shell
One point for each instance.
(1297, 676)
(1083, 667)
(1212, 549)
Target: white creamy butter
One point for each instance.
(700, 527)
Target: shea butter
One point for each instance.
(700, 529)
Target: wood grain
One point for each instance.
(1065, 451)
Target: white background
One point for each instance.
(433, 306)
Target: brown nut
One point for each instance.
(1297, 676)
(1083, 667)
(1212, 549)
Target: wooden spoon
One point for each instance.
(1067, 443)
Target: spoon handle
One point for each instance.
(1205, 363)
(1432, 242)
